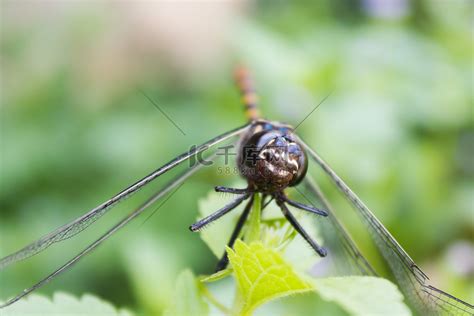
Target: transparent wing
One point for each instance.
(344, 257)
(412, 280)
(81, 223)
(175, 183)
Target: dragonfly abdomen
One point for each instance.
(247, 90)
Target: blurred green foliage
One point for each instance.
(61, 304)
(75, 129)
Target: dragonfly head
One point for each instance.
(278, 161)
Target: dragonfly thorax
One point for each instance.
(271, 158)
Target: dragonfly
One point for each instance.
(272, 158)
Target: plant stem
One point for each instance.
(205, 292)
(253, 233)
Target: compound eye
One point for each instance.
(280, 142)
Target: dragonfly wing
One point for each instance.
(79, 224)
(412, 280)
(344, 257)
(173, 184)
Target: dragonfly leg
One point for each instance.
(265, 202)
(303, 207)
(222, 264)
(322, 252)
(231, 190)
(218, 214)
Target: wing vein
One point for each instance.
(410, 277)
(153, 199)
(71, 229)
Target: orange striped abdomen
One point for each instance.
(249, 97)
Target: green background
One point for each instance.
(75, 127)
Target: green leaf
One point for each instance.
(187, 297)
(363, 295)
(219, 275)
(262, 275)
(253, 233)
(63, 304)
(264, 266)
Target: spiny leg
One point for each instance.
(301, 206)
(218, 214)
(222, 264)
(322, 252)
(231, 190)
(265, 202)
